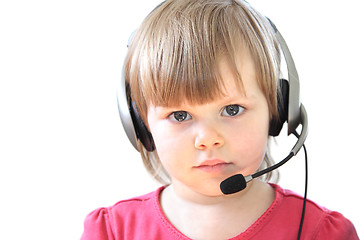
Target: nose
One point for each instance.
(208, 136)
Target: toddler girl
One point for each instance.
(203, 77)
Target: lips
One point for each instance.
(214, 166)
(212, 162)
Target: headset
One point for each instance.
(289, 107)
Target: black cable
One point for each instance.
(305, 192)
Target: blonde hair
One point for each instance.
(174, 55)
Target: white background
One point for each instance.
(63, 151)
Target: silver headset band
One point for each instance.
(297, 112)
(294, 112)
(124, 111)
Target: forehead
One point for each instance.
(245, 83)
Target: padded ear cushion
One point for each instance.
(141, 131)
(282, 107)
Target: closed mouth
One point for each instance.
(213, 166)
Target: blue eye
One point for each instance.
(232, 110)
(180, 116)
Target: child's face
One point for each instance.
(201, 145)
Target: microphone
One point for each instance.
(238, 182)
(234, 184)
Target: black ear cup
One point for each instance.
(282, 107)
(141, 131)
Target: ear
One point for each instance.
(276, 124)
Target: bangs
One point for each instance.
(191, 74)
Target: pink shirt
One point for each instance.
(141, 218)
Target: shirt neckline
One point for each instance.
(252, 230)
